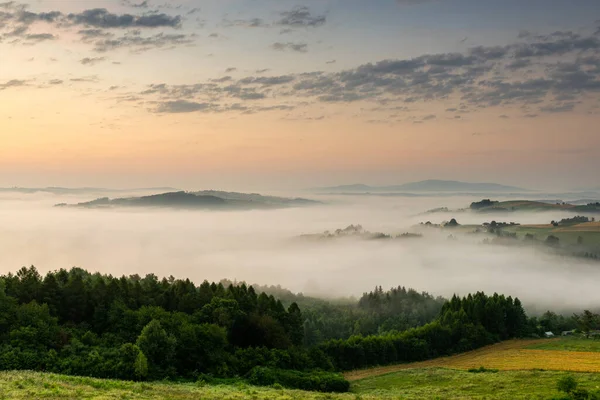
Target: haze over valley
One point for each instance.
(264, 246)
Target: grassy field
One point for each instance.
(414, 384)
(511, 355)
(528, 369)
(440, 383)
(590, 232)
(569, 344)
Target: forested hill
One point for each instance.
(212, 200)
(79, 323)
(374, 312)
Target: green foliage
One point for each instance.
(552, 322)
(159, 349)
(482, 370)
(483, 204)
(313, 381)
(587, 321)
(573, 221)
(566, 384)
(136, 328)
(570, 386)
(464, 324)
(141, 366)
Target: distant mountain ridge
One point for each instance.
(78, 190)
(208, 199)
(431, 185)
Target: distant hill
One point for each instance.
(211, 200)
(63, 190)
(426, 186)
(487, 206)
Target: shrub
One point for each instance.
(312, 381)
(482, 369)
(568, 384)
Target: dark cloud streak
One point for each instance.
(301, 17)
(297, 47)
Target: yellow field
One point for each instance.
(507, 356)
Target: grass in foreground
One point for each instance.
(416, 384)
(33, 385)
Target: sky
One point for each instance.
(248, 94)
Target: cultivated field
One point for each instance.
(512, 355)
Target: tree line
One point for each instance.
(135, 328)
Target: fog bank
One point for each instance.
(263, 247)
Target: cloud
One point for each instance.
(558, 108)
(246, 23)
(413, 2)
(182, 106)
(297, 47)
(12, 84)
(92, 60)
(16, 22)
(89, 34)
(479, 78)
(102, 18)
(55, 82)
(518, 64)
(40, 37)
(558, 43)
(301, 17)
(95, 18)
(222, 79)
(128, 3)
(251, 95)
(27, 17)
(267, 80)
(489, 53)
(139, 43)
(92, 78)
(230, 69)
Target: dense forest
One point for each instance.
(79, 323)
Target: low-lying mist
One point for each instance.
(264, 247)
